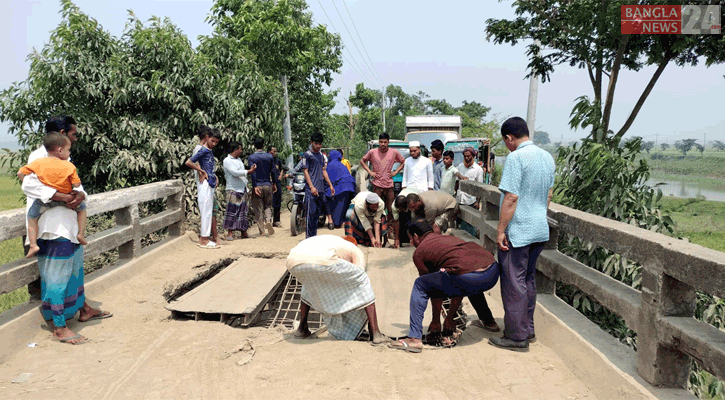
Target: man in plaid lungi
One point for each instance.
(332, 272)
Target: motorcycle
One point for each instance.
(298, 216)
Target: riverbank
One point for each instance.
(702, 165)
(700, 221)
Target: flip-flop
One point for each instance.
(210, 246)
(102, 315)
(68, 339)
(404, 346)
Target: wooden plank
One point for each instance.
(242, 288)
(392, 275)
(107, 240)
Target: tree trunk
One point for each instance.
(613, 83)
(643, 97)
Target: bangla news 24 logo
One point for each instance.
(669, 20)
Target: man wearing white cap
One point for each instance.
(365, 220)
(418, 172)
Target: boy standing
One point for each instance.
(449, 174)
(205, 186)
(315, 169)
(57, 172)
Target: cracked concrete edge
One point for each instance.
(601, 362)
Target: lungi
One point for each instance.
(236, 216)
(354, 228)
(61, 279)
(340, 292)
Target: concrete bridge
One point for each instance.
(142, 352)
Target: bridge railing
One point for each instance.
(125, 235)
(662, 313)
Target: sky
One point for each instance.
(429, 45)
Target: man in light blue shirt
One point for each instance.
(526, 186)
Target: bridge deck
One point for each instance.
(142, 353)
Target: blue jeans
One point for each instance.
(443, 284)
(38, 207)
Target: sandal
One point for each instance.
(210, 245)
(403, 345)
(101, 315)
(68, 340)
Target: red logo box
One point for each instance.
(651, 20)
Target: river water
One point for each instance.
(682, 188)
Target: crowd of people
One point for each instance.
(331, 268)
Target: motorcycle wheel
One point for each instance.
(297, 219)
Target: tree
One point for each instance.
(720, 146)
(699, 148)
(139, 99)
(684, 145)
(647, 146)
(283, 41)
(664, 146)
(586, 34)
(541, 138)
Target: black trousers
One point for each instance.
(277, 203)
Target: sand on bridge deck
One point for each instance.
(141, 353)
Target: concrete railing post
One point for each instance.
(176, 202)
(662, 296)
(129, 216)
(489, 212)
(544, 284)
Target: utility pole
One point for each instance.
(286, 124)
(352, 131)
(656, 137)
(383, 92)
(533, 93)
(704, 141)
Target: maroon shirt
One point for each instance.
(455, 255)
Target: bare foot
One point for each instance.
(34, 249)
(302, 333)
(81, 239)
(379, 338)
(64, 335)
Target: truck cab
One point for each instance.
(427, 128)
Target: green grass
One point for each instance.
(708, 165)
(11, 197)
(700, 221)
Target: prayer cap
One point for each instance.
(372, 198)
(414, 143)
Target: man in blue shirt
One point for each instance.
(264, 185)
(526, 187)
(315, 169)
(436, 152)
(205, 185)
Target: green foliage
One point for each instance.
(685, 145)
(664, 146)
(281, 38)
(541, 138)
(720, 146)
(138, 99)
(647, 146)
(587, 35)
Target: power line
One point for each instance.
(367, 80)
(362, 74)
(361, 42)
(354, 42)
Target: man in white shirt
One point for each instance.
(471, 170)
(236, 192)
(418, 171)
(332, 272)
(60, 259)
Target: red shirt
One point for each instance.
(455, 255)
(383, 162)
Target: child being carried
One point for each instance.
(57, 172)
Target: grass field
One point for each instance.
(700, 221)
(710, 164)
(11, 197)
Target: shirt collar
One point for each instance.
(524, 144)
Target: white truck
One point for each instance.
(427, 128)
